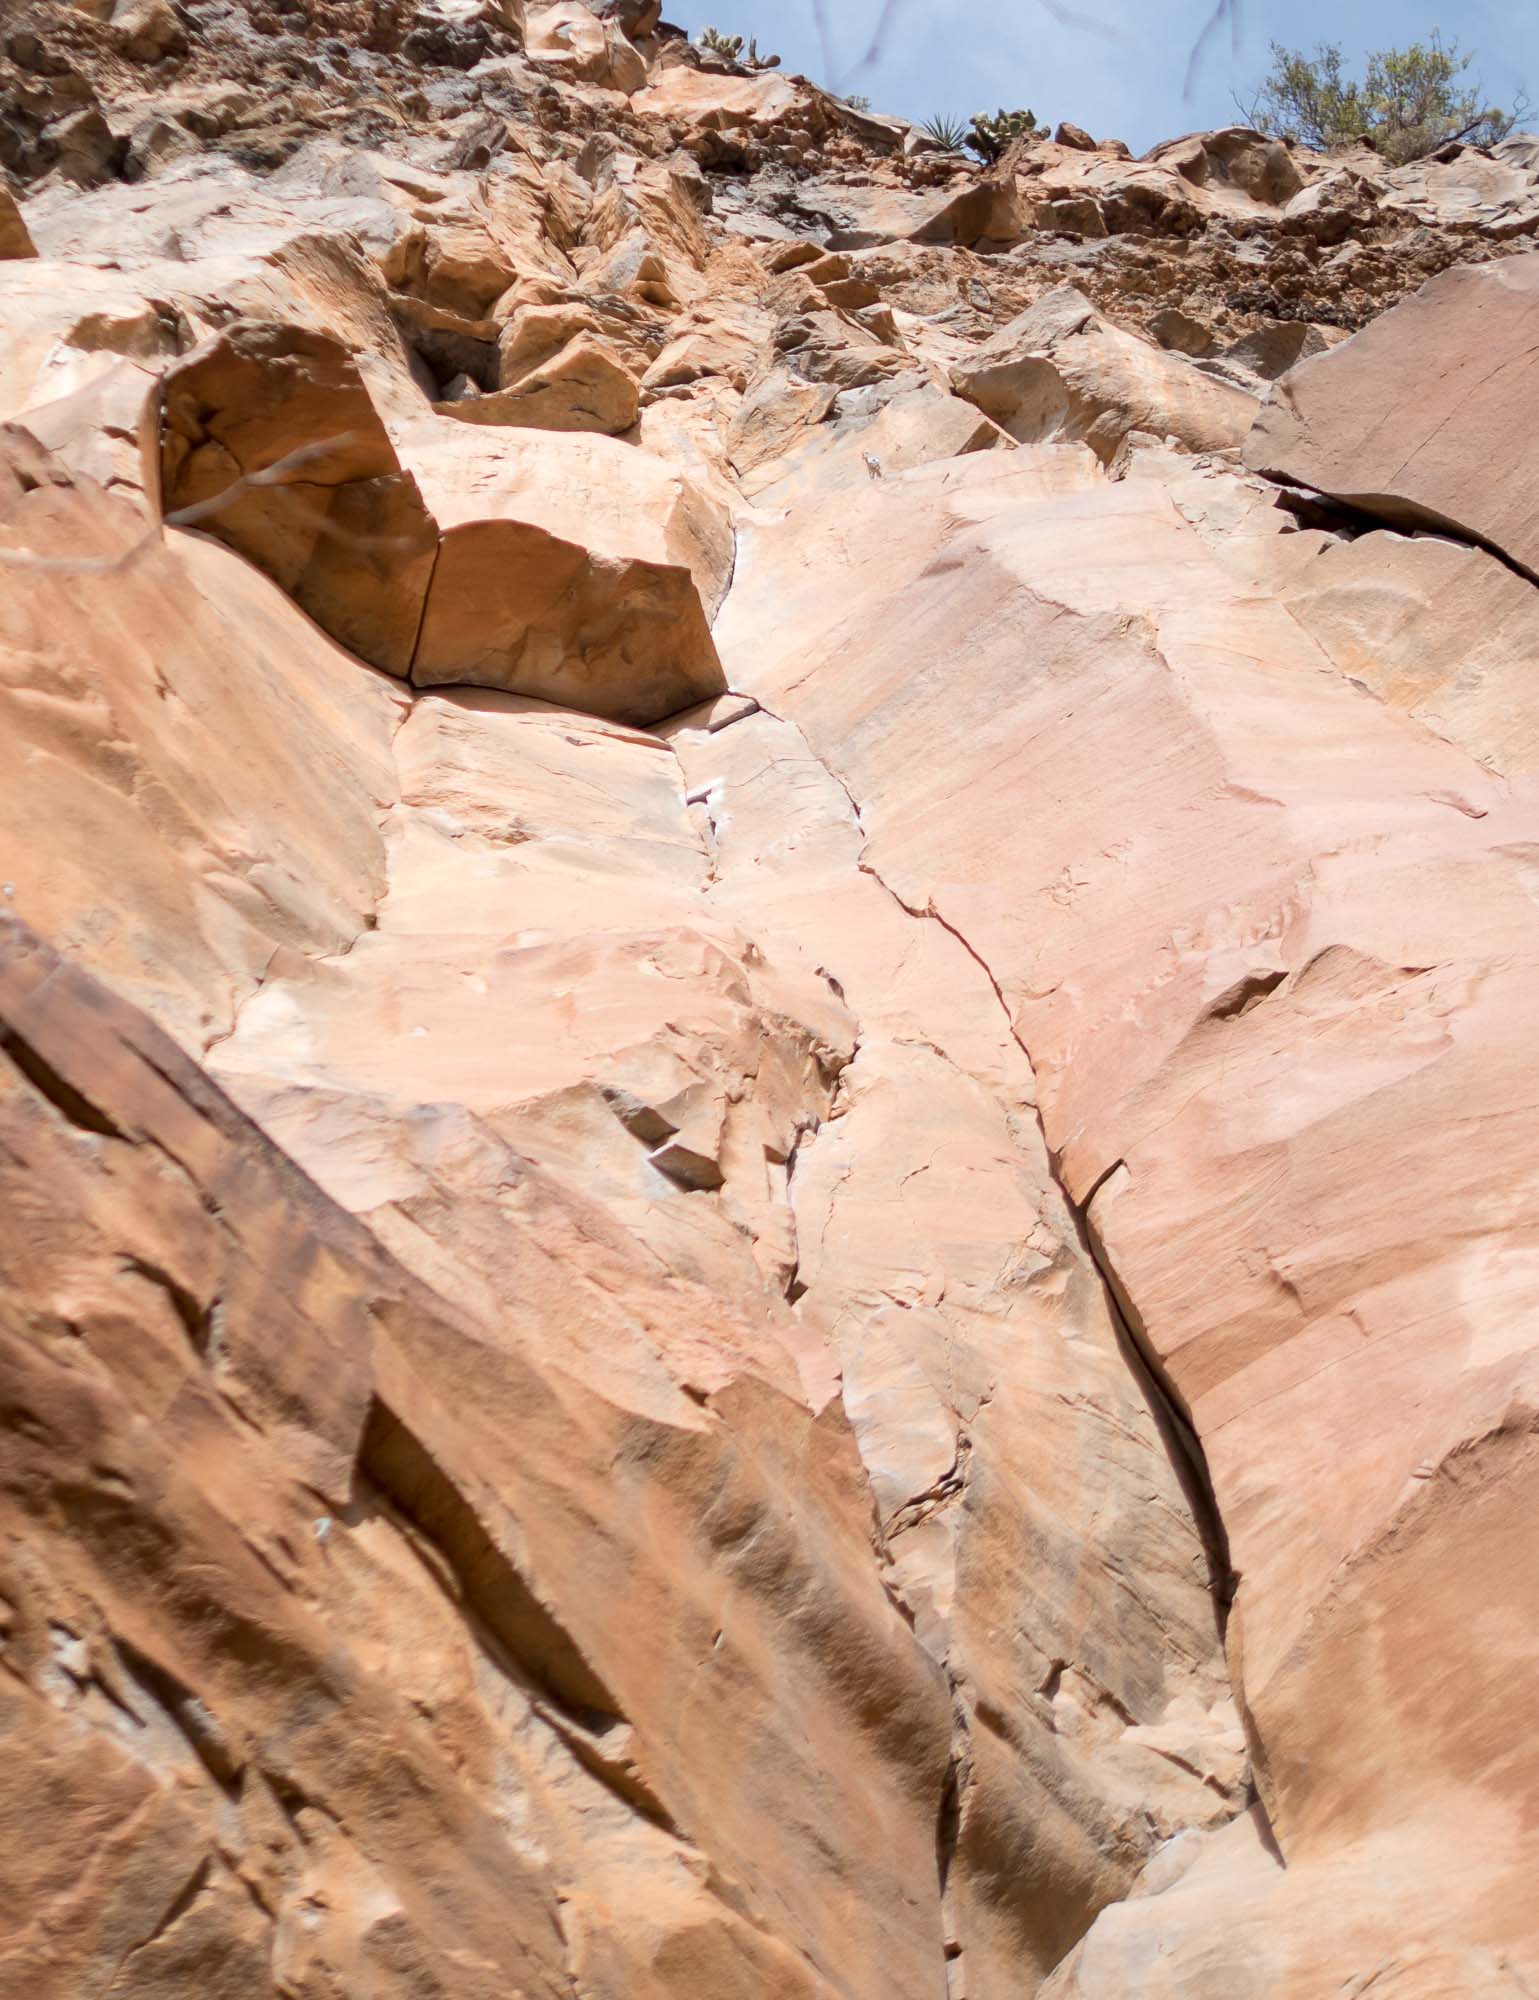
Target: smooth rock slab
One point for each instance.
(1268, 941)
(1418, 419)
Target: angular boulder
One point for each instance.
(514, 607)
(541, 574)
(583, 386)
(571, 40)
(1060, 371)
(572, 568)
(270, 441)
(618, 502)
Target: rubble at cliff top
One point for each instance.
(1234, 233)
(768, 1187)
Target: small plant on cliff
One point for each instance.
(950, 134)
(730, 49)
(989, 137)
(1410, 101)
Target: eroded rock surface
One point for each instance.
(766, 1045)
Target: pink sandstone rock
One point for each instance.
(766, 1185)
(1211, 950)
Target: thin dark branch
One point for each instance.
(1092, 24)
(1224, 10)
(281, 472)
(1071, 17)
(885, 21)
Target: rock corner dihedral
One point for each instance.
(767, 1034)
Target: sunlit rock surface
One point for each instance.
(767, 923)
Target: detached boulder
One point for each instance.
(572, 568)
(445, 554)
(1060, 371)
(1426, 417)
(990, 211)
(536, 333)
(514, 607)
(619, 503)
(1252, 164)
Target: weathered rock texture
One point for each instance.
(767, 918)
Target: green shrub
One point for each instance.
(1410, 101)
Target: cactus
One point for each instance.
(729, 48)
(990, 136)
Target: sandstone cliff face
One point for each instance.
(766, 1037)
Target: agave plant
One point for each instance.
(990, 136)
(950, 134)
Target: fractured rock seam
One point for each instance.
(1179, 1440)
(1189, 1453)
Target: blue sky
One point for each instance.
(1123, 78)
